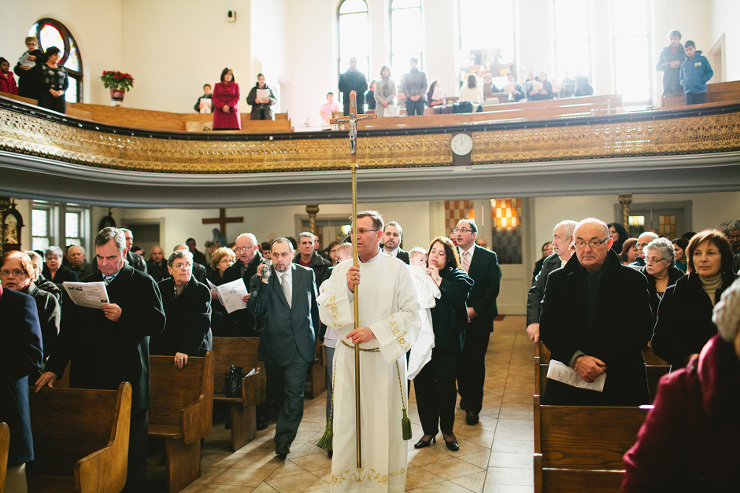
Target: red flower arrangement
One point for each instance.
(113, 79)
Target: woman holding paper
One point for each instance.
(436, 392)
(385, 92)
(261, 99)
(187, 308)
(17, 273)
(221, 259)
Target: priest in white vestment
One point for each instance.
(389, 324)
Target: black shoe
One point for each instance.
(282, 450)
(471, 418)
(452, 444)
(262, 423)
(425, 443)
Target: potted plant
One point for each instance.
(118, 83)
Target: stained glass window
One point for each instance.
(506, 220)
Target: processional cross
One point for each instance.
(353, 118)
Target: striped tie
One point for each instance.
(466, 261)
(108, 279)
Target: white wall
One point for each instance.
(726, 19)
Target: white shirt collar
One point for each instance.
(392, 253)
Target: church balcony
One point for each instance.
(46, 155)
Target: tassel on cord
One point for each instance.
(406, 426)
(328, 437)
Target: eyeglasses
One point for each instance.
(654, 260)
(362, 231)
(462, 230)
(580, 244)
(15, 272)
(244, 249)
(182, 266)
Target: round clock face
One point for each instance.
(461, 144)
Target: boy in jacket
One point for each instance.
(695, 72)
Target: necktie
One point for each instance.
(286, 287)
(108, 279)
(466, 261)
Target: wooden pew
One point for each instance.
(316, 380)
(181, 413)
(719, 92)
(240, 351)
(4, 446)
(543, 364)
(655, 368)
(612, 100)
(580, 447)
(34, 102)
(80, 439)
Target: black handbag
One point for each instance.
(233, 382)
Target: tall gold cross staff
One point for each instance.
(353, 118)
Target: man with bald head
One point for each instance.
(248, 257)
(157, 264)
(77, 261)
(596, 318)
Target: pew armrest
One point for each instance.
(197, 420)
(254, 388)
(104, 470)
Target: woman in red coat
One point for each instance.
(689, 441)
(226, 103)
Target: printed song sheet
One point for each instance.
(565, 374)
(230, 294)
(89, 294)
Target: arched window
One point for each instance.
(487, 39)
(633, 71)
(406, 35)
(571, 27)
(50, 33)
(354, 35)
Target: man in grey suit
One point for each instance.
(283, 301)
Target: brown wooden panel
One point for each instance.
(4, 444)
(239, 351)
(581, 481)
(588, 437)
(172, 389)
(720, 92)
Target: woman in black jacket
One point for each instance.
(436, 393)
(187, 308)
(261, 103)
(684, 322)
(659, 271)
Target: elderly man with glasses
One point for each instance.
(248, 257)
(596, 319)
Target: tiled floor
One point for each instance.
(494, 456)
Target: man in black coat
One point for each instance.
(307, 256)
(353, 81)
(156, 266)
(241, 323)
(482, 266)
(562, 237)
(392, 237)
(596, 318)
(20, 356)
(198, 256)
(284, 305)
(109, 345)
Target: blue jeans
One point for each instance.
(696, 97)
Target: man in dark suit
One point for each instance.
(241, 323)
(156, 266)
(482, 266)
(562, 237)
(198, 256)
(134, 260)
(585, 325)
(20, 356)
(284, 304)
(110, 344)
(392, 237)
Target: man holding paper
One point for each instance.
(595, 318)
(240, 323)
(110, 344)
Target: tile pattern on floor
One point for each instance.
(495, 455)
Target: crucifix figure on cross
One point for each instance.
(353, 118)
